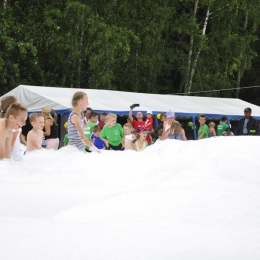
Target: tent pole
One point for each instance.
(194, 128)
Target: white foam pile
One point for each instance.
(175, 200)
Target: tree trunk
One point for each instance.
(187, 76)
(240, 72)
(198, 53)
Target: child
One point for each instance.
(66, 138)
(149, 121)
(13, 118)
(93, 118)
(160, 137)
(112, 133)
(212, 131)
(203, 130)
(140, 142)
(102, 121)
(128, 137)
(95, 138)
(176, 132)
(76, 121)
(228, 132)
(34, 137)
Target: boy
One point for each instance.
(102, 122)
(34, 137)
(112, 134)
(93, 118)
(160, 135)
(203, 130)
(14, 118)
(95, 138)
(66, 138)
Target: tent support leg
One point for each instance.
(194, 128)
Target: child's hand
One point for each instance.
(107, 143)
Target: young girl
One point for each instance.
(11, 119)
(212, 131)
(176, 132)
(140, 142)
(128, 137)
(76, 121)
(168, 122)
(50, 129)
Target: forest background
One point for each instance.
(149, 46)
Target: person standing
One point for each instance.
(222, 126)
(203, 130)
(247, 125)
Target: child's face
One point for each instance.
(111, 121)
(84, 103)
(102, 118)
(148, 115)
(94, 119)
(170, 120)
(163, 118)
(97, 134)
(39, 123)
(202, 120)
(127, 130)
(19, 121)
(143, 134)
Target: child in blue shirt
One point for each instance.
(95, 138)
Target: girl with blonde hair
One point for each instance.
(128, 137)
(176, 132)
(140, 142)
(77, 121)
(50, 130)
(212, 131)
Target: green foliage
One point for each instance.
(143, 46)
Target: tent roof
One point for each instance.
(35, 98)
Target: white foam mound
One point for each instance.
(175, 200)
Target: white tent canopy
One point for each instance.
(35, 98)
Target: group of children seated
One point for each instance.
(87, 133)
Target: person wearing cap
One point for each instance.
(149, 120)
(140, 143)
(222, 126)
(247, 125)
(170, 115)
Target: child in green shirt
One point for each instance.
(203, 130)
(112, 134)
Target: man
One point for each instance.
(222, 126)
(247, 125)
(102, 121)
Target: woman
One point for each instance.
(176, 132)
(50, 131)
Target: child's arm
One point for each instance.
(22, 139)
(201, 136)
(184, 138)
(103, 135)
(13, 139)
(8, 148)
(76, 121)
